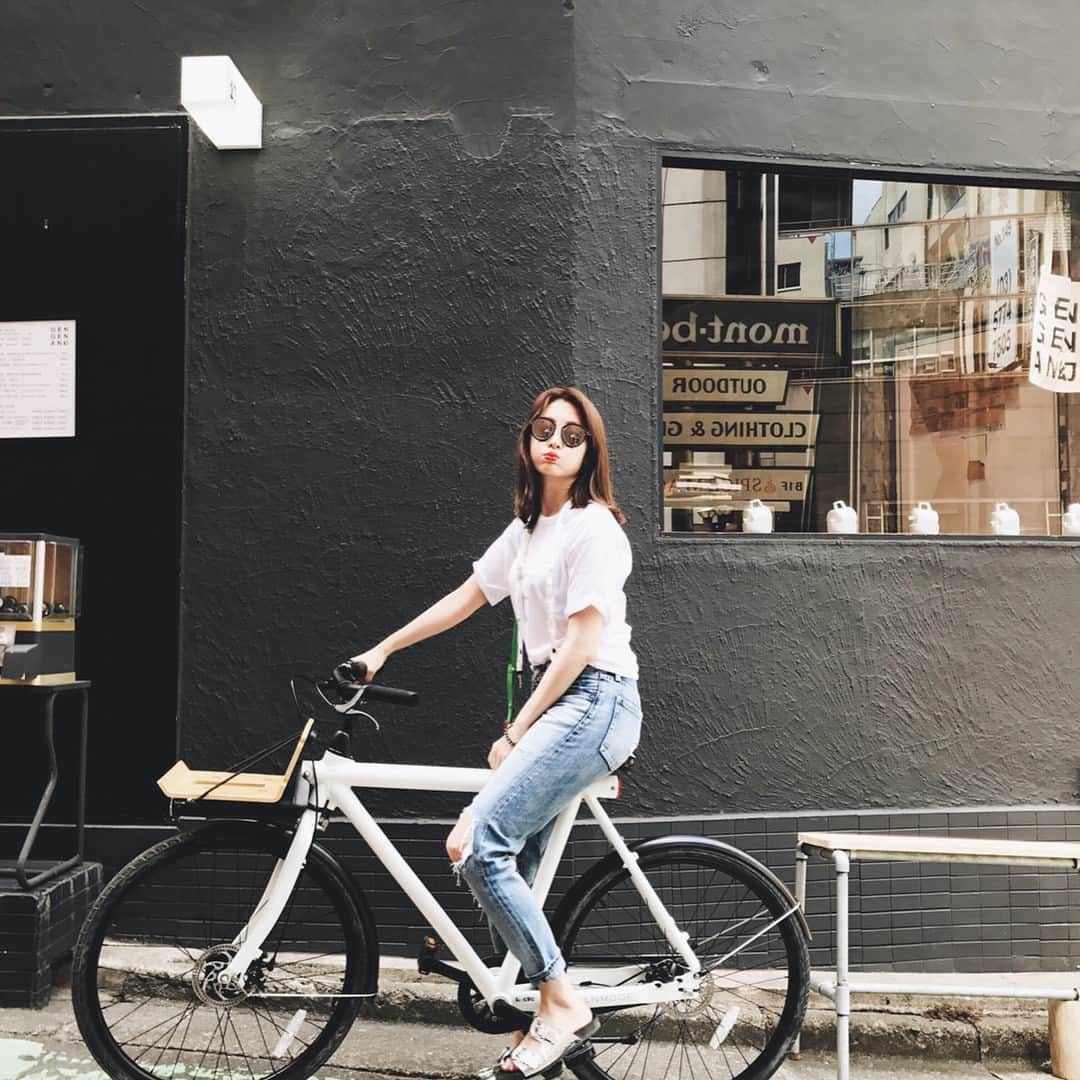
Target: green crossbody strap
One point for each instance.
(513, 672)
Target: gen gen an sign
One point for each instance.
(749, 326)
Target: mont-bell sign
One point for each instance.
(750, 326)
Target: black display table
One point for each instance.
(25, 880)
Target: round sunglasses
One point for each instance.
(543, 428)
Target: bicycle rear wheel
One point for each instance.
(751, 998)
(144, 975)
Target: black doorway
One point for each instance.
(93, 228)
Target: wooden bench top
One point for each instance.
(911, 847)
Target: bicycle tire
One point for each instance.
(180, 904)
(714, 893)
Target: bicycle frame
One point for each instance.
(331, 781)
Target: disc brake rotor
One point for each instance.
(697, 1004)
(206, 978)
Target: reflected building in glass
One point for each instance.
(920, 393)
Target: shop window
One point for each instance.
(810, 204)
(824, 341)
(788, 276)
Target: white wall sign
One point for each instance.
(717, 384)
(740, 429)
(1005, 272)
(37, 379)
(1055, 335)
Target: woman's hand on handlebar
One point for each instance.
(373, 659)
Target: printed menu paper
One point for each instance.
(37, 379)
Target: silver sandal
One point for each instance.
(497, 1070)
(555, 1044)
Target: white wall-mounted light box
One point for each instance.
(219, 100)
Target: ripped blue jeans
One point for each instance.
(587, 734)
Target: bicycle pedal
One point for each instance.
(582, 1063)
(429, 948)
(582, 1051)
(428, 964)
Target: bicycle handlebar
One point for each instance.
(349, 676)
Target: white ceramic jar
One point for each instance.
(1005, 521)
(923, 520)
(842, 518)
(757, 518)
(1070, 520)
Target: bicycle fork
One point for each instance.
(249, 940)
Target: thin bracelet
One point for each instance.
(506, 736)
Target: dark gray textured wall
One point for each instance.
(455, 206)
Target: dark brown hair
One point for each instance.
(593, 481)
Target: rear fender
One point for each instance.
(612, 862)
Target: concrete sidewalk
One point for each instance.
(45, 1045)
(898, 1025)
(414, 1029)
(944, 1026)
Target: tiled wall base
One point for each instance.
(39, 927)
(904, 916)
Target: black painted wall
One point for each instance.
(455, 206)
(92, 228)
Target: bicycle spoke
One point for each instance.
(134, 1039)
(258, 1026)
(240, 1044)
(701, 1057)
(172, 1031)
(735, 1043)
(183, 1040)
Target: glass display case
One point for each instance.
(40, 598)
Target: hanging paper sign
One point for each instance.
(1055, 334)
(1004, 274)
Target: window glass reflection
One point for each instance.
(834, 342)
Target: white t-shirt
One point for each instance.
(583, 557)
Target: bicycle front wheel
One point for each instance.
(145, 972)
(752, 992)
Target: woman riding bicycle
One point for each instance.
(563, 562)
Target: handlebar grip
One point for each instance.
(391, 695)
(350, 671)
(349, 674)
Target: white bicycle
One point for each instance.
(242, 948)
